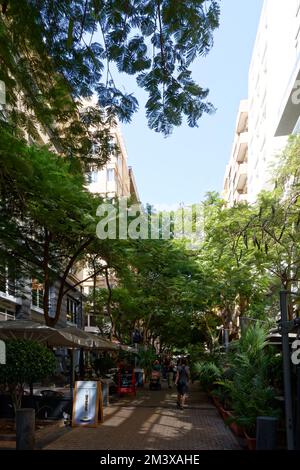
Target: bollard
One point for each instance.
(266, 433)
(25, 429)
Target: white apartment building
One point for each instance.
(236, 175)
(273, 97)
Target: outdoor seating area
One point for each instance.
(78, 356)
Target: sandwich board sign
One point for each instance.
(87, 403)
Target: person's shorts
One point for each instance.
(182, 388)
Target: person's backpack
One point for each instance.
(183, 376)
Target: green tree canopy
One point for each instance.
(26, 362)
(57, 52)
(48, 218)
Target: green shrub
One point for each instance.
(27, 362)
(103, 364)
(208, 373)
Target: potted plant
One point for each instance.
(208, 373)
(221, 400)
(250, 386)
(236, 428)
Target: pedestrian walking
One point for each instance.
(182, 381)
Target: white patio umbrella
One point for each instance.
(94, 341)
(56, 337)
(68, 337)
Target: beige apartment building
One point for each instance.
(114, 180)
(273, 104)
(24, 300)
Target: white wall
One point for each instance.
(274, 62)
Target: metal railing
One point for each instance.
(6, 316)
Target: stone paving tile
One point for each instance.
(151, 421)
(43, 436)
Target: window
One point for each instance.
(3, 280)
(120, 165)
(37, 294)
(91, 320)
(71, 309)
(110, 174)
(7, 281)
(93, 174)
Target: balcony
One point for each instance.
(241, 177)
(92, 329)
(242, 121)
(6, 316)
(241, 148)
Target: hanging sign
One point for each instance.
(87, 404)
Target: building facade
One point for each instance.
(236, 174)
(115, 180)
(23, 298)
(273, 96)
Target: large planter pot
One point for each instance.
(235, 428)
(216, 402)
(224, 413)
(251, 441)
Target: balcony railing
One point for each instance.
(241, 148)
(6, 316)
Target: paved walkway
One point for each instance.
(151, 421)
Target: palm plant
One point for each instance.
(250, 387)
(208, 373)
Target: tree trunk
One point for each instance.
(52, 321)
(108, 304)
(46, 277)
(16, 393)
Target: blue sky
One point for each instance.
(190, 162)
